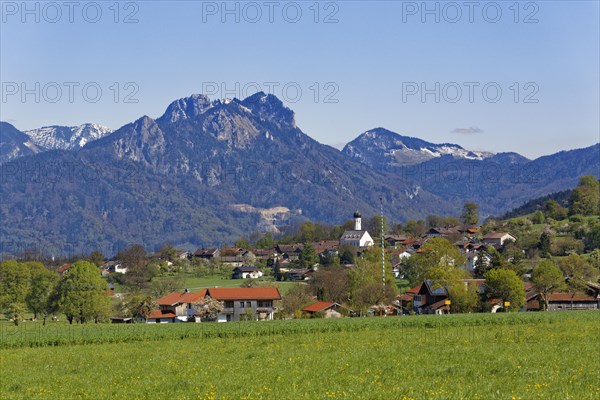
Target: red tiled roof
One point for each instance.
(178, 298)
(267, 293)
(319, 306)
(63, 268)
(160, 314)
(414, 290)
(405, 297)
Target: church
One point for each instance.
(356, 237)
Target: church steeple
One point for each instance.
(357, 221)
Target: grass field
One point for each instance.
(477, 356)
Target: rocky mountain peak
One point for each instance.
(269, 108)
(187, 108)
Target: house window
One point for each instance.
(248, 304)
(418, 297)
(265, 304)
(241, 304)
(228, 304)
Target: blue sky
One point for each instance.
(371, 62)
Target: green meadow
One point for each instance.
(476, 356)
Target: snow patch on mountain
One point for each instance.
(380, 146)
(67, 137)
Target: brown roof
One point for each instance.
(319, 306)
(578, 296)
(63, 268)
(496, 235)
(437, 305)
(179, 298)
(160, 314)
(267, 293)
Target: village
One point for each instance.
(262, 301)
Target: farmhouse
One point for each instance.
(208, 254)
(299, 274)
(239, 304)
(176, 307)
(242, 303)
(328, 309)
(115, 267)
(356, 237)
(429, 299)
(497, 239)
(246, 271)
(587, 300)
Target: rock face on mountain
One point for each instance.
(67, 137)
(15, 144)
(189, 177)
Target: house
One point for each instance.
(246, 271)
(64, 269)
(208, 254)
(242, 303)
(497, 239)
(473, 258)
(183, 255)
(234, 261)
(326, 246)
(429, 299)
(115, 267)
(413, 244)
(299, 274)
(176, 307)
(444, 231)
(263, 254)
(357, 237)
(289, 251)
(328, 309)
(394, 240)
(561, 301)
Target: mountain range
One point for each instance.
(209, 171)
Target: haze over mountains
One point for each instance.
(205, 172)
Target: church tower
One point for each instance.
(357, 221)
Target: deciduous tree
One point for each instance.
(331, 284)
(578, 273)
(43, 283)
(82, 294)
(547, 278)
(15, 284)
(506, 285)
(585, 199)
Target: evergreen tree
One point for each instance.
(470, 214)
(544, 244)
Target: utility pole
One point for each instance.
(382, 248)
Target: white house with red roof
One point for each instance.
(238, 304)
(176, 307)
